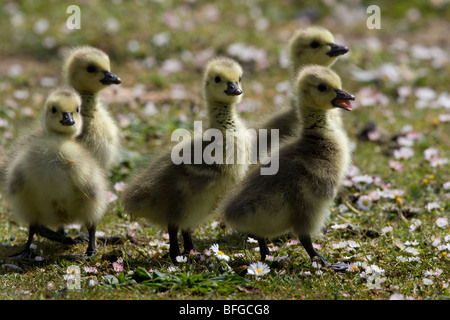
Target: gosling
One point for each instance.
(185, 195)
(54, 180)
(312, 45)
(311, 169)
(88, 71)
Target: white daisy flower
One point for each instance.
(403, 153)
(432, 206)
(251, 240)
(387, 230)
(442, 222)
(218, 253)
(214, 248)
(364, 203)
(258, 269)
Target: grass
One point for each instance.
(396, 248)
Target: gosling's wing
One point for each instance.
(15, 149)
(16, 179)
(86, 176)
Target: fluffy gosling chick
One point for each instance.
(312, 45)
(185, 195)
(310, 170)
(54, 180)
(88, 70)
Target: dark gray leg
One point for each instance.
(91, 245)
(58, 236)
(25, 253)
(174, 249)
(307, 244)
(187, 241)
(263, 248)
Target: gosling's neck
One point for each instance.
(223, 116)
(329, 140)
(316, 120)
(89, 103)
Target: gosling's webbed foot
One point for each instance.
(90, 253)
(316, 257)
(339, 267)
(321, 261)
(24, 254)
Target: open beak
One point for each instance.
(67, 119)
(110, 78)
(336, 50)
(233, 89)
(342, 100)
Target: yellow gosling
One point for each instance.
(54, 180)
(311, 169)
(87, 69)
(182, 196)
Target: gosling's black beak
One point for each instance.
(110, 78)
(336, 50)
(67, 119)
(342, 100)
(233, 89)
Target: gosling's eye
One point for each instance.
(91, 68)
(217, 79)
(54, 110)
(240, 78)
(315, 44)
(321, 87)
(78, 109)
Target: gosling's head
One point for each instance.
(320, 88)
(87, 69)
(62, 112)
(314, 45)
(222, 81)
